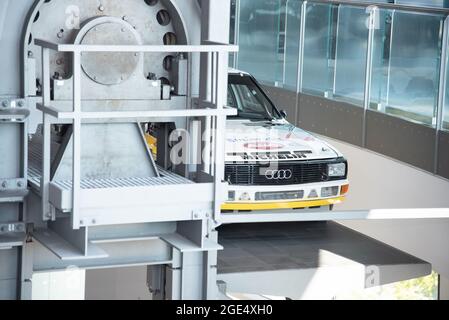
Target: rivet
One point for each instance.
(20, 184)
(20, 104)
(5, 104)
(94, 221)
(5, 184)
(101, 8)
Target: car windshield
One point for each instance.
(250, 101)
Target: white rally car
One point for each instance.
(270, 163)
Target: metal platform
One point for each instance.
(287, 259)
(35, 174)
(147, 195)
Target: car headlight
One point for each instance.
(336, 170)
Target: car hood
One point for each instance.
(279, 140)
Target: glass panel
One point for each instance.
(319, 48)
(293, 26)
(352, 45)
(406, 66)
(425, 3)
(259, 38)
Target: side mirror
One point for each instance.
(284, 114)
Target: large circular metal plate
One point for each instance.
(110, 68)
(60, 21)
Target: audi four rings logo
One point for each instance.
(278, 174)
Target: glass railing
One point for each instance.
(262, 38)
(318, 61)
(292, 34)
(351, 54)
(387, 58)
(406, 65)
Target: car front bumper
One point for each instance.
(245, 197)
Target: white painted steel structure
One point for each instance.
(165, 220)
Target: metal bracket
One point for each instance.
(201, 214)
(50, 215)
(13, 109)
(13, 190)
(12, 227)
(12, 103)
(13, 184)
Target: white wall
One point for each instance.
(380, 182)
(59, 285)
(117, 284)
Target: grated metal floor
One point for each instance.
(35, 173)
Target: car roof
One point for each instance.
(235, 71)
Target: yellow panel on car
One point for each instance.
(281, 205)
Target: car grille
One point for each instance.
(302, 172)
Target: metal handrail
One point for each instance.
(75, 48)
(381, 5)
(211, 109)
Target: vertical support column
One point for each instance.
(221, 96)
(300, 58)
(441, 91)
(173, 277)
(215, 93)
(26, 271)
(337, 37)
(76, 169)
(207, 145)
(284, 67)
(237, 32)
(46, 136)
(210, 287)
(392, 34)
(215, 25)
(444, 288)
(373, 17)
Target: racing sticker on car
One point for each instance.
(263, 145)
